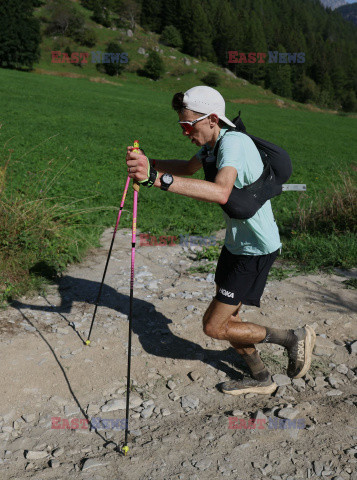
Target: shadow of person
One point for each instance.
(151, 326)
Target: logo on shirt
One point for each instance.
(226, 293)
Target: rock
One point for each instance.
(115, 404)
(267, 469)
(333, 393)
(342, 368)
(35, 455)
(202, 464)
(318, 467)
(57, 452)
(229, 73)
(30, 418)
(62, 331)
(171, 384)
(141, 51)
(323, 347)
(289, 413)
(210, 278)
(135, 401)
(281, 379)
(189, 402)
(237, 413)
(299, 384)
(70, 410)
(171, 56)
(129, 33)
(259, 415)
(165, 412)
(54, 463)
(195, 376)
(147, 412)
(353, 347)
(92, 463)
(186, 61)
(334, 382)
(189, 308)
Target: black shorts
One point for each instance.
(242, 278)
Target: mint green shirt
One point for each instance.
(258, 235)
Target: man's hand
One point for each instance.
(138, 165)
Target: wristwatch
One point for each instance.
(166, 180)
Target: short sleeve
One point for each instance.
(231, 153)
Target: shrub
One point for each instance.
(87, 37)
(349, 102)
(171, 37)
(154, 67)
(211, 79)
(117, 67)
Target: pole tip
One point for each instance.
(87, 342)
(125, 449)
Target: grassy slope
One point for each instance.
(91, 123)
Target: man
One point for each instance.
(251, 245)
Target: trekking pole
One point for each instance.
(136, 187)
(106, 265)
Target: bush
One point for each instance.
(64, 19)
(117, 67)
(37, 233)
(211, 79)
(349, 102)
(87, 37)
(171, 37)
(154, 67)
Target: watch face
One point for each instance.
(167, 178)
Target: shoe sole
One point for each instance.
(309, 346)
(262, 390)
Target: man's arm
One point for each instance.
(178, 167)
(216, 192)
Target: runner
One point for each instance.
(250, 246)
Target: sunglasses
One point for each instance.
(188, 126)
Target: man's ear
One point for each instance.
(214, 119)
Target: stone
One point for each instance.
(289, 413)
(229, 73)
(54, 463)
(353, 347)
(35, 455)
(195, 376)
(318, 467)
(129, 33)
(30, 418)
(115, 404)
(70, 410)
(334, 393)
(147, 412)
(171, 384)
(188, 401)
(92, 463)
(323, 347)
(202, 464)
(141, 51)
(165, 412)
(57, 452)
(299, 384)
(342, 368)
(281, 379)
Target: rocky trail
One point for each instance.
(180, 422)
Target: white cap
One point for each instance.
(206, 100)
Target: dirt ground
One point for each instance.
(179, 419)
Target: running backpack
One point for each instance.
(244, 202)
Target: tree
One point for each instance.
(171, 36)
(349, 102)
(150, 17)
(114, 68)
(65, 19)
(154, 66)
(19, 34)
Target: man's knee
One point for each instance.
(212, 330)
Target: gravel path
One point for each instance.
(179, 419)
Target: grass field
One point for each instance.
(86, 127)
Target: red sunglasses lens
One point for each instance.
(186, 127)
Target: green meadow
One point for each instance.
(68, 139)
